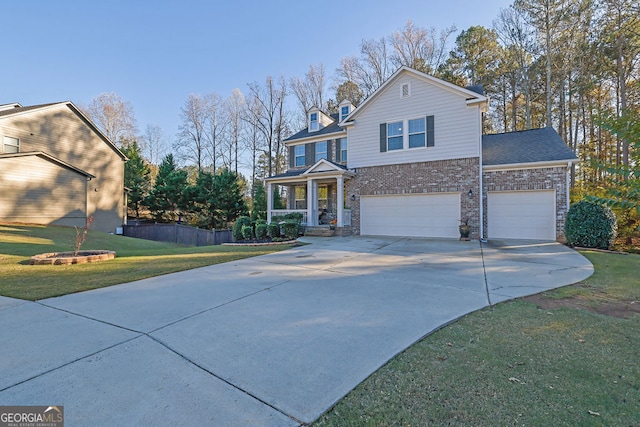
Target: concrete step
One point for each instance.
(319, 231)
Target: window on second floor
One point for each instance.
(299, 154)
(10, 145)
(313, 122)
(407, 134)
(417, 132)
(343, 149)
(394, 136)
(321, 150)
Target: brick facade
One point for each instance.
(442, 176)
(554, 178)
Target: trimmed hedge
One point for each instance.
(590, 225)
(273, 230)
(237, 227)
(290, 229)
(261, 231)
(247, 232)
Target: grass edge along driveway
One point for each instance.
(135, 259)
(551, 359)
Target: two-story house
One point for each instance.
(411, 160)
(56, 167)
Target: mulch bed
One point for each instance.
(66, 258)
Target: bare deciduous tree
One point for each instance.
(114, 116)
(191, 143)
(310, 91)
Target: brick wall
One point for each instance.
(443, 176)
(554, 178)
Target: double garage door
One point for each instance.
(419, 215)
(522, 215)
(511, 215)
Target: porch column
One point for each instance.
(340, 202)
(269, 201)
(311, 217)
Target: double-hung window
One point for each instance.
(417, 131)
(299, 153)
(394, 136)
(343, 149)
(313, 122)
(299, 198)
(10, 145)
(408, 133)
(344, 112)
(321, 150)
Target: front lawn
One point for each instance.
(136, 259)
(551, 359)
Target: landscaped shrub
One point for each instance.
(261, 231)
(590, 225)
(247, 232)
(273, 230)
(296, 216)
(290, 229)
(237, 227)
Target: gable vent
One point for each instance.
(405, 91)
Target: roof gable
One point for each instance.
(68, 104)
(528, 146)
(471, 96)
(324, 165)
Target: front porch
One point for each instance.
(317, 193)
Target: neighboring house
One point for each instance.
(411, 160)
(56, 167)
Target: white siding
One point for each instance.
(457, 126)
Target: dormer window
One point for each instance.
(313, 122)
(344, 112)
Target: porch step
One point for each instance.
(319, 231)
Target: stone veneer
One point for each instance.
(442, 176)
(553, 178)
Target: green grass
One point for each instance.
(517, 364)
(135, 259)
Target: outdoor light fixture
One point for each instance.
(470, 194)
(353, 197)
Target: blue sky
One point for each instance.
(155, 53)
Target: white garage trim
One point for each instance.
(415, 215)
(521, 214)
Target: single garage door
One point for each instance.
(522, 215)
(421, 215)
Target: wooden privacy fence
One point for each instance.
(178, 233)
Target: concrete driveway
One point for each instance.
(270, 341)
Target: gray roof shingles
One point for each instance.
(17, 110)
(528, 146)
(304, 133)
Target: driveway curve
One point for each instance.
(272, 340)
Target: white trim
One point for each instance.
(314, 138)
(528, 165)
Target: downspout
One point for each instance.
(480, 180)
(569, 165)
